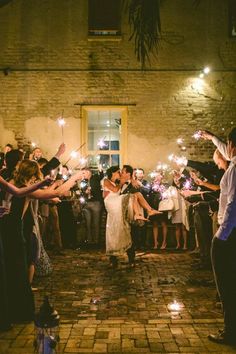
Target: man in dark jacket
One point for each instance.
(92, 193)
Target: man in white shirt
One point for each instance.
(223, 250)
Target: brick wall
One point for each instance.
(53, 67)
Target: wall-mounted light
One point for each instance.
(206, 70)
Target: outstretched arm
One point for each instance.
(221, 146)
(58, 192)
(21, 192)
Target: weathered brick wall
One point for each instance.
(53, 67)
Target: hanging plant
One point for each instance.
(145, 22)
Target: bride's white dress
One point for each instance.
(118, 230)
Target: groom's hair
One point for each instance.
(129, 169)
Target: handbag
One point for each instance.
(166, 205)
(43, 266)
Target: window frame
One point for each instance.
(122, 152)
(113, 34)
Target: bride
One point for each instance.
(122, 209)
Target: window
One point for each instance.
(104, 17)
(104, 135)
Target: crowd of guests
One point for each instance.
(21, 247)
(37, 217)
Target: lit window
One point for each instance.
(104, 17)
(105, 136)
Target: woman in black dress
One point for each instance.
(18, 240)
(5, 319)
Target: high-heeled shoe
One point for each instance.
(163, 246)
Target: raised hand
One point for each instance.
(61, 150)
(206, 135)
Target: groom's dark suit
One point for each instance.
(128, 188)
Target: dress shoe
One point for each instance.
(222, 338)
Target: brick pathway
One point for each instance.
(126, 311)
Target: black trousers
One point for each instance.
(223, 255)
(139, 236)
(203, 226)
(92, 214)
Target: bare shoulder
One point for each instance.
(107, 183)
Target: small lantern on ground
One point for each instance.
(46, 329)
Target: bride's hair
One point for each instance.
(112, 170)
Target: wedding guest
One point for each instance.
(205, 208)
(19, 244)
(179, 217)
(36, 154)
(12, 159)
(67, 221)
(155, 196)
(140, 230)
(8, 147)
(5, 306)
(92, 193)
(2, 160)
(224, 242)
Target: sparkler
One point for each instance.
(171, 157)
(197, 135)
(101, 143)
(180, 141)
(179, 160)
(83, 184)
(162, 167)
(61, 123)
(33, 145)
(153, 174)
(75, 151)
(82, 162)
(187, 184)
(74, 154)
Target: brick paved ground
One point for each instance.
(126, 311)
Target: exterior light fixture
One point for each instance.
(206, 70)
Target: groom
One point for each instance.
(128, 187)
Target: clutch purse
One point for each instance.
(166, 205)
